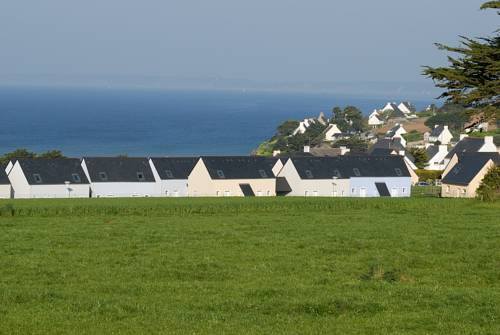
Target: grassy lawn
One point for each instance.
(250, 266)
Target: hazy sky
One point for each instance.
(265, 40)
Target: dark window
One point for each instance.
(37, 177)
(356, 172)
(76, 177)
(220, 173)
(309, 174)
(398, 172)
(140, 176)
(169, 174)
(103, 176)
(263, 173)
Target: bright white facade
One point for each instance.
(375, 120)
(441, 134)
(331, 131)
(437, 162)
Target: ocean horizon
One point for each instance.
(108, 122)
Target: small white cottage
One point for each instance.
(331, 131)
(48, 178)
(5, 188)
(172, 173)
(121, 177)
(440, 134)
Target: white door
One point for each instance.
(362, 192)
(394, 192)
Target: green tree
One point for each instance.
(490, 186)
(51, 154)
(18, 153)
(287, 128)
(420, 156)
(473, 77)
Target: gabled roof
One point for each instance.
(468, 166)
(392, 132)
(388, 143)
(431, 151)
(436, 131)
(4, 180)
(467, 144)
(344, 167)
(174, 167)
(119, 169)
(41, 171)
(239, 167)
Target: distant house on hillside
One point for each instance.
(345, 176)
(120, 177)
(48, 178)
(406, 108)
(392, 111)
(5, 187)
(233, 176)
(331, 131)
(396, 132)
(172, 174)
(440, 133)
(466, 172)
(435, 156)
(302, 127)
(375, 120)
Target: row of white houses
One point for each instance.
(207, 176)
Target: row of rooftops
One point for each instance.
(138, 169)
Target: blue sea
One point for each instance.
(102, 122)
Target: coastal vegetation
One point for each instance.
(241, 266)
(23, 153)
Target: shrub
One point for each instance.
(489, 189)
(428, 175)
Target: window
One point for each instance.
(37, 177)
(169, 174)
(399, 173)
(220, 174)
(263, 173)
(103, 176)
(448, 189)
(309, 174)
(76, 177)
(140, 176)
(336, 173)
(356, 172)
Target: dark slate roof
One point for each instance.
(239, 167)
(119, 169)
(388, 143)
(41, 171)
(396, 112)
(436, 131)
(348, 166)
(408, 105)
(431, 151)
(4, 180)
(468, 166)
(179, 167)
(467, 144)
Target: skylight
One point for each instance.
(140, 176)
(309, 174)
(220, 173)
(263, 173)
(169, 174)
(398, 172)
(76, 177)
(37, 177)
(356, 172)
(103, 176)
(336, 173)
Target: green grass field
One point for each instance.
(250, 266)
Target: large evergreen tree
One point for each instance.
(473, 77)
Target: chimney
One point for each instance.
(307, 148)
(488, 140)
(462, 136)
(435, 126)
(276, 153)
(401, 152)
(445, 127)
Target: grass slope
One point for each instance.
(250, 266)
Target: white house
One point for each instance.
(303, 125)
(240, 176)
(5, 188)
(440, 134)
(331, 131)
(345, 176)
(436, 155)
(48, 178)
(121, 177)
(375, 120)
(172, 173)
(406, 107)
(397, 132)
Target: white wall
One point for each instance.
(19, 182)
(5, 191)
(125, 190)
(174, 188)
(398, 186)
